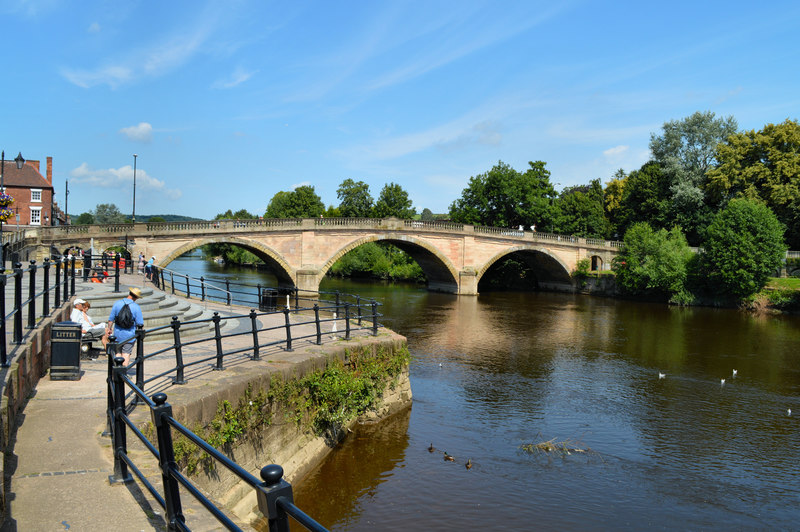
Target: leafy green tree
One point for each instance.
(762, 165)
(581, 211)
(241, 214)
(393, 201)
(504, 197)
(645, 198)
(686, 151)
(654, 263)
(85, 218)
(157, 219)
(301, 202)
(612, 197)
(427, 215)
(355, 200)
(743, 246)
(108, 213)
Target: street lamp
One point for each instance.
(133, 214)
(20, 161)
(66, 202)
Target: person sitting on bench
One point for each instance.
(88, 328)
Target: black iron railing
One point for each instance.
(47, 294)
(274, 495)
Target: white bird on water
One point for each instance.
(735, 372)
(661, 375)
(788, 411)
(722, 382)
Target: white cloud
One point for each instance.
(94, 27)
(616, 151)
(140, 133)
(237, 77)
(122, 178)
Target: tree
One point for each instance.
(85, 218)
(355, 200)
(427, 215)
(302, 202)
(241, 214)
(612, 195)
(108, 213)
(743, 246)
(157, 219)
(762, 165)
(645, 198)
(581, 211)
(654, 263)
(503, 197)
(686, 151)
(394, 201)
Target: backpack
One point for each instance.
(124, 319)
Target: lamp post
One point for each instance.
(133, 214)
(20, 161)
(66, 202)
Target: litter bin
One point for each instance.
(65, 351)
(269, 300)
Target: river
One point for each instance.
(493, 373)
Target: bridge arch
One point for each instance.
(441, 274)
(273, 259)
(551, 271)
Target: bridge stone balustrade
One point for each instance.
(453, 256)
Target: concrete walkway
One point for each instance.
(59, 472)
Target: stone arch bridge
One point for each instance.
(453, 256)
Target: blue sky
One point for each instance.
(227, 103)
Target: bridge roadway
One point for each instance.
(453, 256)
(58, 477)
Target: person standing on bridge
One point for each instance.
(125, 322)
(148, 268)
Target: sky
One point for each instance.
(227, 103)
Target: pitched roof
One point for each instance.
(27, 176)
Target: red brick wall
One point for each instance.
(23, 203)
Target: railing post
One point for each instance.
(374, 318)
(273, 488)
(202, 288)
(72, 278)
(87, 266)
(296, 298)
(111, 350)
(358, 309)
(228, 291)
(58, 282)
(161, 271)
(118, 435)
(217, 340)
(347, 321)
(316, 320)
(3, 345)
(140, 334)
(188, 289)
(46, 288)
(176, 335)
(254, 325)
(116, 273)
(166, 458)
(288, 330)
(338, 302)
(171, 280)
(32, 296)
(18, 273)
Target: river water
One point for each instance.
(493, 373)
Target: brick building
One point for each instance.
(33, 194)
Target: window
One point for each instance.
(36, 216)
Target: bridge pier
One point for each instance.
(307, 280)
(467, 283)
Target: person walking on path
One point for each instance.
(125, 322)
(141, 262)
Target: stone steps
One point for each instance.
(158, 310)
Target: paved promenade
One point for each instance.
(59, 472)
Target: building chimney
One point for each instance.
(50, 171)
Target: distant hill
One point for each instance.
(167, 217)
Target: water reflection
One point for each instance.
(493, 372)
